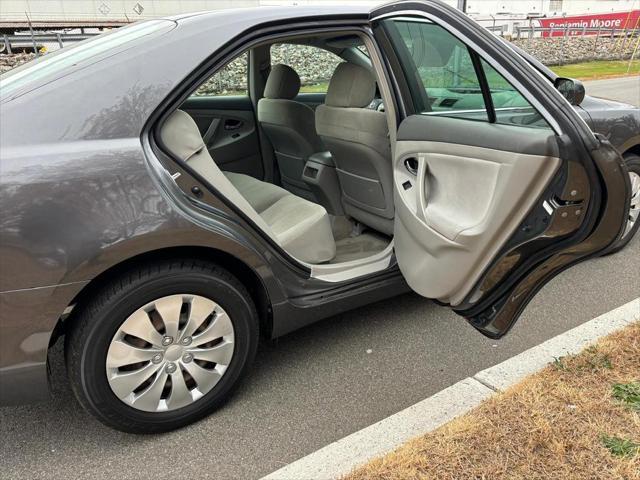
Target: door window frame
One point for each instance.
(211, 199)
(474, 49)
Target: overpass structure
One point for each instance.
(70, 14)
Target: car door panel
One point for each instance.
(521, 269)
(460, 205)
(487, 213)
(228, 127)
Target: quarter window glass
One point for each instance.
(510, 106)
(230, 80)
(314, 65)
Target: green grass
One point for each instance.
(620, 447)
(315, 88)
(582, 71)
(597, 69)
(628, 393)
(590, 360)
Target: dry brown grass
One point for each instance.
(549, 426)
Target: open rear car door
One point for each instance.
(498, 184)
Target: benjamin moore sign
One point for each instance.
(628, 19)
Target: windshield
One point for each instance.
(62, 59)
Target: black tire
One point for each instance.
(94, 325)
(633, 164)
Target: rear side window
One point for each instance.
(452, 80)
(230, 80)
(314, 65)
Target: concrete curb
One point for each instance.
(514, 369)
(342, 456)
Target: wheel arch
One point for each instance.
(245, 274)
(634, 150)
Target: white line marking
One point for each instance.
(342, 456)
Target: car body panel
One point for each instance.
(618, 122)
(27, 319)
(78, 198)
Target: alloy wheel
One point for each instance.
(170, 352)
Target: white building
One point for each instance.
(548, 7)
(105, 12)
(110, 12)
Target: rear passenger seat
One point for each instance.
(299, 226)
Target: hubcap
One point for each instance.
(170, 352)
(634, 207)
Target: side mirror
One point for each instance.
(572, 90)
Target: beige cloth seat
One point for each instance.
(301, 227)
(290, 127)
(358, 139)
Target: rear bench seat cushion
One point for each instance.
(301, 227)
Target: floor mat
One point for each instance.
(364, 245)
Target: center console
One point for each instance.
(320, 175)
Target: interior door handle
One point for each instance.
(231, 124)
(423, 192)
(411, 164)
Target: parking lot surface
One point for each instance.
(625, 89)
(309, 388)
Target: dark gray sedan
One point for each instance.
(161, 221)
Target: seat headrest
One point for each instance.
(181, 135)
(283, 82)
(351, 86)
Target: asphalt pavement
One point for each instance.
(309, 388)
(624, 89)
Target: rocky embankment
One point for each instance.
(7, 62)
(316, 66)
(559, 50)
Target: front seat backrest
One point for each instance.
(290, 127)
(358, 140)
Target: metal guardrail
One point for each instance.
(11, 42)
(570, 31)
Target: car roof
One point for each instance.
(267, 13)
